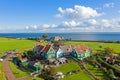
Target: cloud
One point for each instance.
(88, 25)
(92, 25)
(71, 23)
(49, 26)
(42, 27)
(78, 12)
(105, 23)
(108, 5)
(118, 11)
(31, 27)
(45, 26)
(93, 22)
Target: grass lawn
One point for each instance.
(13, 44)
(2, 74)
(99, 73)
(17, 72)
(95, 45)
(64, 68)
(73, 66)
(79, 76)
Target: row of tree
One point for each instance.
(44, 36)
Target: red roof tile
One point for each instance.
(80, 49)
(46, 49)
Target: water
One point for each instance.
(74, 36)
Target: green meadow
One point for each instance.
(71, 66)
(68, 67)
(13, 44)
(79, 76)
(97, 72)
(96, 45)
(23, 44)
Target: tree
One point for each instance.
(45, 36)
(109, 51)
(52, 71)
(100, 46)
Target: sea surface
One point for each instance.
(74, 36)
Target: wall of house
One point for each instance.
(50, 54)
(35, 68)
(73, 53)
(59, 53)
(87, 54)
(35, 49)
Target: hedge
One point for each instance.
(115, 69)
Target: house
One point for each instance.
(33, 65)
(110, 60)
(38, 49)
(48, 52)
(24, 61)
(66, 50)
(56, 38)
(81, 51)
(58, 51)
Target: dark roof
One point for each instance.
(40, 47)
(55, 47)
(34, 63)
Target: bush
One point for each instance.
(108, 66)
(111, 74)
(105, 70)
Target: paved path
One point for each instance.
(8, 72)
(7, 69)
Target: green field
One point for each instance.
(71, 66)
(22, 44)
(68, 67)
(17, 72)
(79, 76)
(2, 74)
(13, 44)
(95, 45)
(97, 72)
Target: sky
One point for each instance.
(24, 16)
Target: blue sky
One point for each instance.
(59, 16)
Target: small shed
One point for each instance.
(35, 66)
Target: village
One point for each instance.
(51, 55)
(54, 61)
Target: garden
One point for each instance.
(77, 72)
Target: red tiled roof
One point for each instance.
(80, 49)
(46, 49)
